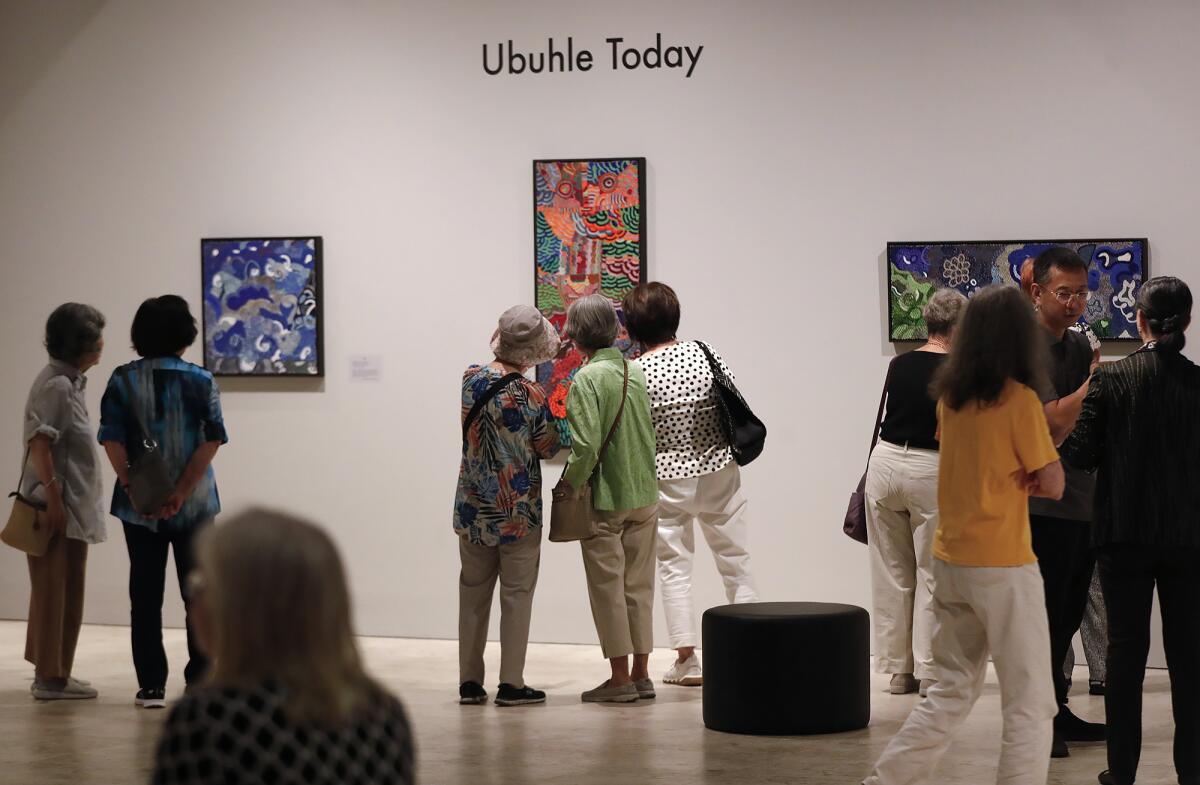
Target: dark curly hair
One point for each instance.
(163, 327)
(998, 338)
(73, 331)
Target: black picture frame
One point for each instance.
(1144, 242)
(642, 229)
(318, 311)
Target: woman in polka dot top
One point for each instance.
(697, 476)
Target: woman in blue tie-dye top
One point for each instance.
(507, 429)
(181, 407)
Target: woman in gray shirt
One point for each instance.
(62, 470)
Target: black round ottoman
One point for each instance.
(781, 668)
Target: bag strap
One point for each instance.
(483, 400)
(620, 411)
(712, 361)
(21, 479)
(882, 403)
(127, 381)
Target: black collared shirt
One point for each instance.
(1070, 365)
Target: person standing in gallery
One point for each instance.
(988, 598)
(619, 559)
(61, 469)
(179, 406)
(288, 700)
(1140, 429)
(1093, 628)
(698, 479)
(507, 430)
(1061, 528)
(902, 507)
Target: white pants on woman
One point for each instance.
(902, 517)
(716, 502)
(977, 611)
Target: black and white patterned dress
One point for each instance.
(239, 737)
(683, 405)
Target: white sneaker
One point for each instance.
(686, 673)
(73, 690)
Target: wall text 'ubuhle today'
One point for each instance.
(553, 59)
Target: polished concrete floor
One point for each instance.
(563, 741)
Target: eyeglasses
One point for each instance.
(1066, 298)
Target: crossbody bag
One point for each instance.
(572, 514)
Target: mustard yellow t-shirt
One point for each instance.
(983, 508)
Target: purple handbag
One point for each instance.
(855, 525)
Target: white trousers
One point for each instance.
(977, 611)
(716, 502)
(902, 517)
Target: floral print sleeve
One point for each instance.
(499, 496)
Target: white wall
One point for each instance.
(810, 134)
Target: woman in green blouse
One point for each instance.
(619, 560)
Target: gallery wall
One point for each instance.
(808, 135)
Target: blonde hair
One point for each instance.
(279, 610)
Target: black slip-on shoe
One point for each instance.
(1074, 729)
(471, 693)
(508, 695)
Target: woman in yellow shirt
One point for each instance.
(988, 597)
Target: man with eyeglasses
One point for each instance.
(1061, 529)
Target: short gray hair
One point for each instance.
(73, 331)
(943, 310)
(592, 323)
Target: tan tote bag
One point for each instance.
(572, 516)
(26, 529)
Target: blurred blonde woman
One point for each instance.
(287, 699)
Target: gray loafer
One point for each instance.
(626, 693)
(645, 688)
(70, 691)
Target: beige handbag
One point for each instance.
(572, 516)
(26, 529)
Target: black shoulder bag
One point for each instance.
(855, 524)
(482, 401)
(150, 481)
(746, 433)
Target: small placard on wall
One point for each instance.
(366, 368)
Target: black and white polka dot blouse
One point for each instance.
(683, 405)
(239, 737)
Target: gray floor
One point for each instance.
(564, 741)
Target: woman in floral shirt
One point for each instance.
(507, 430)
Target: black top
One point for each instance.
(237, 737)
(1140, 428)
(1070, 364)
(911, 413)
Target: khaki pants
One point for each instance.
(902, 518)
(978, 610)
(55, 607)
(516, 565)
(619, 564)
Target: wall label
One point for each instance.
(621, 56)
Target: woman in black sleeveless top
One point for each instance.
(902, 508)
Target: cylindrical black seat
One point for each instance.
(782, 668)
